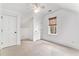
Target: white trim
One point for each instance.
(18, 17)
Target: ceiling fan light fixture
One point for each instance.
(36, 10)
(36, 7)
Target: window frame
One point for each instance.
(52, 24)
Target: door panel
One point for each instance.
(9, 29)
(0, 31)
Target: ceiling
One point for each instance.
(23, 8)
(71, 6)
(26, 8)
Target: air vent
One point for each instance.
(49, 10)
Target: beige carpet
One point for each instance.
(38, 48)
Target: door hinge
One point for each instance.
(1, 17)
(1, 30)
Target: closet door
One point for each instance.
(0, 31)
(9, 31)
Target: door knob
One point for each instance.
(15, 32)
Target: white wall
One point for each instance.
(26, 28)
(30, 27)
(67, 28)
(26, 33)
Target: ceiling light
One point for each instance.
(36, 7)
(36, 10)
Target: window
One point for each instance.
(52, 25)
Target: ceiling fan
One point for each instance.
(37, 7)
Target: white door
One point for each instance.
(0, 30)
(9, 31)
